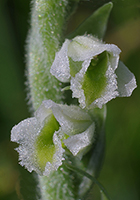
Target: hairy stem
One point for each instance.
(45, 36)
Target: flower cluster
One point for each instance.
(93, 69)
(53, 130)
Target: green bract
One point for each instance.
(91, 67)
(55, 129)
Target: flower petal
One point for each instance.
(126, 80)
(69, 124)
(43, 111)
(86, 47)
(25, 134)
(76, 84)
(72, 119)
(60, 67)
(78, 144)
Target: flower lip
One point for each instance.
(31, 136)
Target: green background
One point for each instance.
(120, 173)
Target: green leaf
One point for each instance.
(29, 188)
(93, 160)
(104, 194)
(96, 24)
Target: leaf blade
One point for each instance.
(98, 20)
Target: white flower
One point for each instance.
(55, 128)
(93, 70)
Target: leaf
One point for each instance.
(95, 24)
(103, 192)
(103, 196)
(29, 189)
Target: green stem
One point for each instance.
(60, 185)
(45, 36)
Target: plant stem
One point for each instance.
(45, 36)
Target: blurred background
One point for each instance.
(121, 170)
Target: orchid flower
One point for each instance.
(53, 130)
(93, 69)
